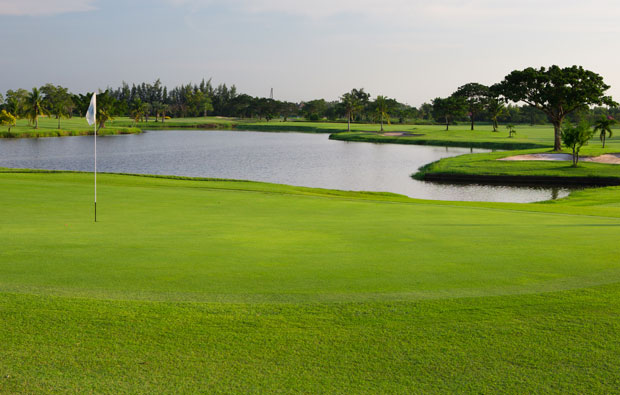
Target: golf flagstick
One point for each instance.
(91, 118)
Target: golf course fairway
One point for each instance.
(239, 287)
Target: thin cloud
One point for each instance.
(44, 7)
(415, 9)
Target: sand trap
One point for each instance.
(401, 134)
(606, 158)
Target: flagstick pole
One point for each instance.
(95, 171)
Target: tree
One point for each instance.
(156, 106)
(314, 109)
(34, 106)
(575, 137)
(496, 108)
(603, 125)
(382, 106)
(556, 91)
(136, 110)
(476, 96)
(58, 101)
(350, 104)
(448, 108)
(105, 108)
(82, 101)
(14, 102)
(426, 111)
(8, 119)
(146, 109)
(164, 108)
(206, 105)
(511, 130)
(363, 100)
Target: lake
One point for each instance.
(301, 159)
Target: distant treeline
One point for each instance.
(155, 101)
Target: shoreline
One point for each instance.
(518, 180)
(424, 173)
(69, 133)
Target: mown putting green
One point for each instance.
(221, 286)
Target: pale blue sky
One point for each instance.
(407, 49)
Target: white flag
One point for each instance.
(91, 114)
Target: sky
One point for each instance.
(410, 50)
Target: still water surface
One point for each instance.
(285, 158)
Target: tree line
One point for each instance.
(155, 101)
(531, 95)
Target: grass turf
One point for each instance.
(48, 127)
(488, 165)
(222, 286)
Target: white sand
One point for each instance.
(606, 158)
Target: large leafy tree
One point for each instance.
(603, 126)
(34, 106)
(556, 91)
(14, 102)
(58, 101)
(425, 111)
(314, 110)
(476, 96)
(447, 109)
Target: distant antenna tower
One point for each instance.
(271, 94)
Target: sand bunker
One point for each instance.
(606, 158)
(402, 134)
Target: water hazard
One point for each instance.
(285, 158)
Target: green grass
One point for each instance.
(229, 286)
(48, 127)
(488, 165)
(528, 137)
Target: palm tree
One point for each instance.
(34, 106)
(164, 108)
(105, 108)
(603, 125)
(350, 104)
(137, 110)
(495, 108)
(382, 109)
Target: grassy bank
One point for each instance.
(48, 127)
(222, 286)
(487, 167)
